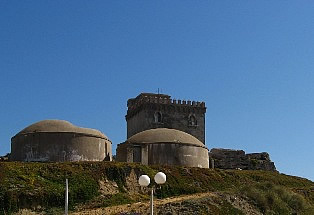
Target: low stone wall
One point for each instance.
(237, 159)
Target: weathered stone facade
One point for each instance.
(59, 140)
(163, 146)
(237, 159)
(148, 111)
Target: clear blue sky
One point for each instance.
(252, 62)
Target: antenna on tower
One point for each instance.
(159, 90)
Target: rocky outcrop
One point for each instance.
(237, 159)
(5, 157)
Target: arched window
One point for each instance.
(192, 120)
(158, 117)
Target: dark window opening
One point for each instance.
(158, 117)
(192, 121)
(137, 154)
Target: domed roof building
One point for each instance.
(164, 146)
(59, 140)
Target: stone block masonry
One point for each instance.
(237, 159)
(149, 111)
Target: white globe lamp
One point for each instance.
(144, 180)
(160, 178)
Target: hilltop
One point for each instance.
(99, 186)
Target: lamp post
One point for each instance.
(66, 197)
(144, 181)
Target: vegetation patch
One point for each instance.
(42, 185)
(275, 199)
(118, 199)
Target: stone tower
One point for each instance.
(149, 110)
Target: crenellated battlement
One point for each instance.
(150, 98)
(150, 110)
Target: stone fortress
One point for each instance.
(164, 131)
(148, 111)
(160, 131)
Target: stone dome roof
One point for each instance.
(60, 126)
(164, 135)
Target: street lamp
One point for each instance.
(66, 197)
(144, 181)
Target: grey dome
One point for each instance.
(59, 126)
(164, 135)
(59, 141)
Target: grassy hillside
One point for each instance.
(40, 187)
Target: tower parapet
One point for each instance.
(149, 98)
(149, 110)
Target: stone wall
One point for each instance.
(175, 114)
(172, 154)
(237, 159)
(59, 147)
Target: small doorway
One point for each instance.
(137, 154)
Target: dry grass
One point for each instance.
(29, 185)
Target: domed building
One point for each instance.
(164, 146)
(59, 140)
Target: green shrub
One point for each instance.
(82, 188)
(117, 199)
(227, 208)
(274, 199)
(24, 185)
(32, 184)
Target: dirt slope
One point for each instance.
(98, 187)
(185, 204)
